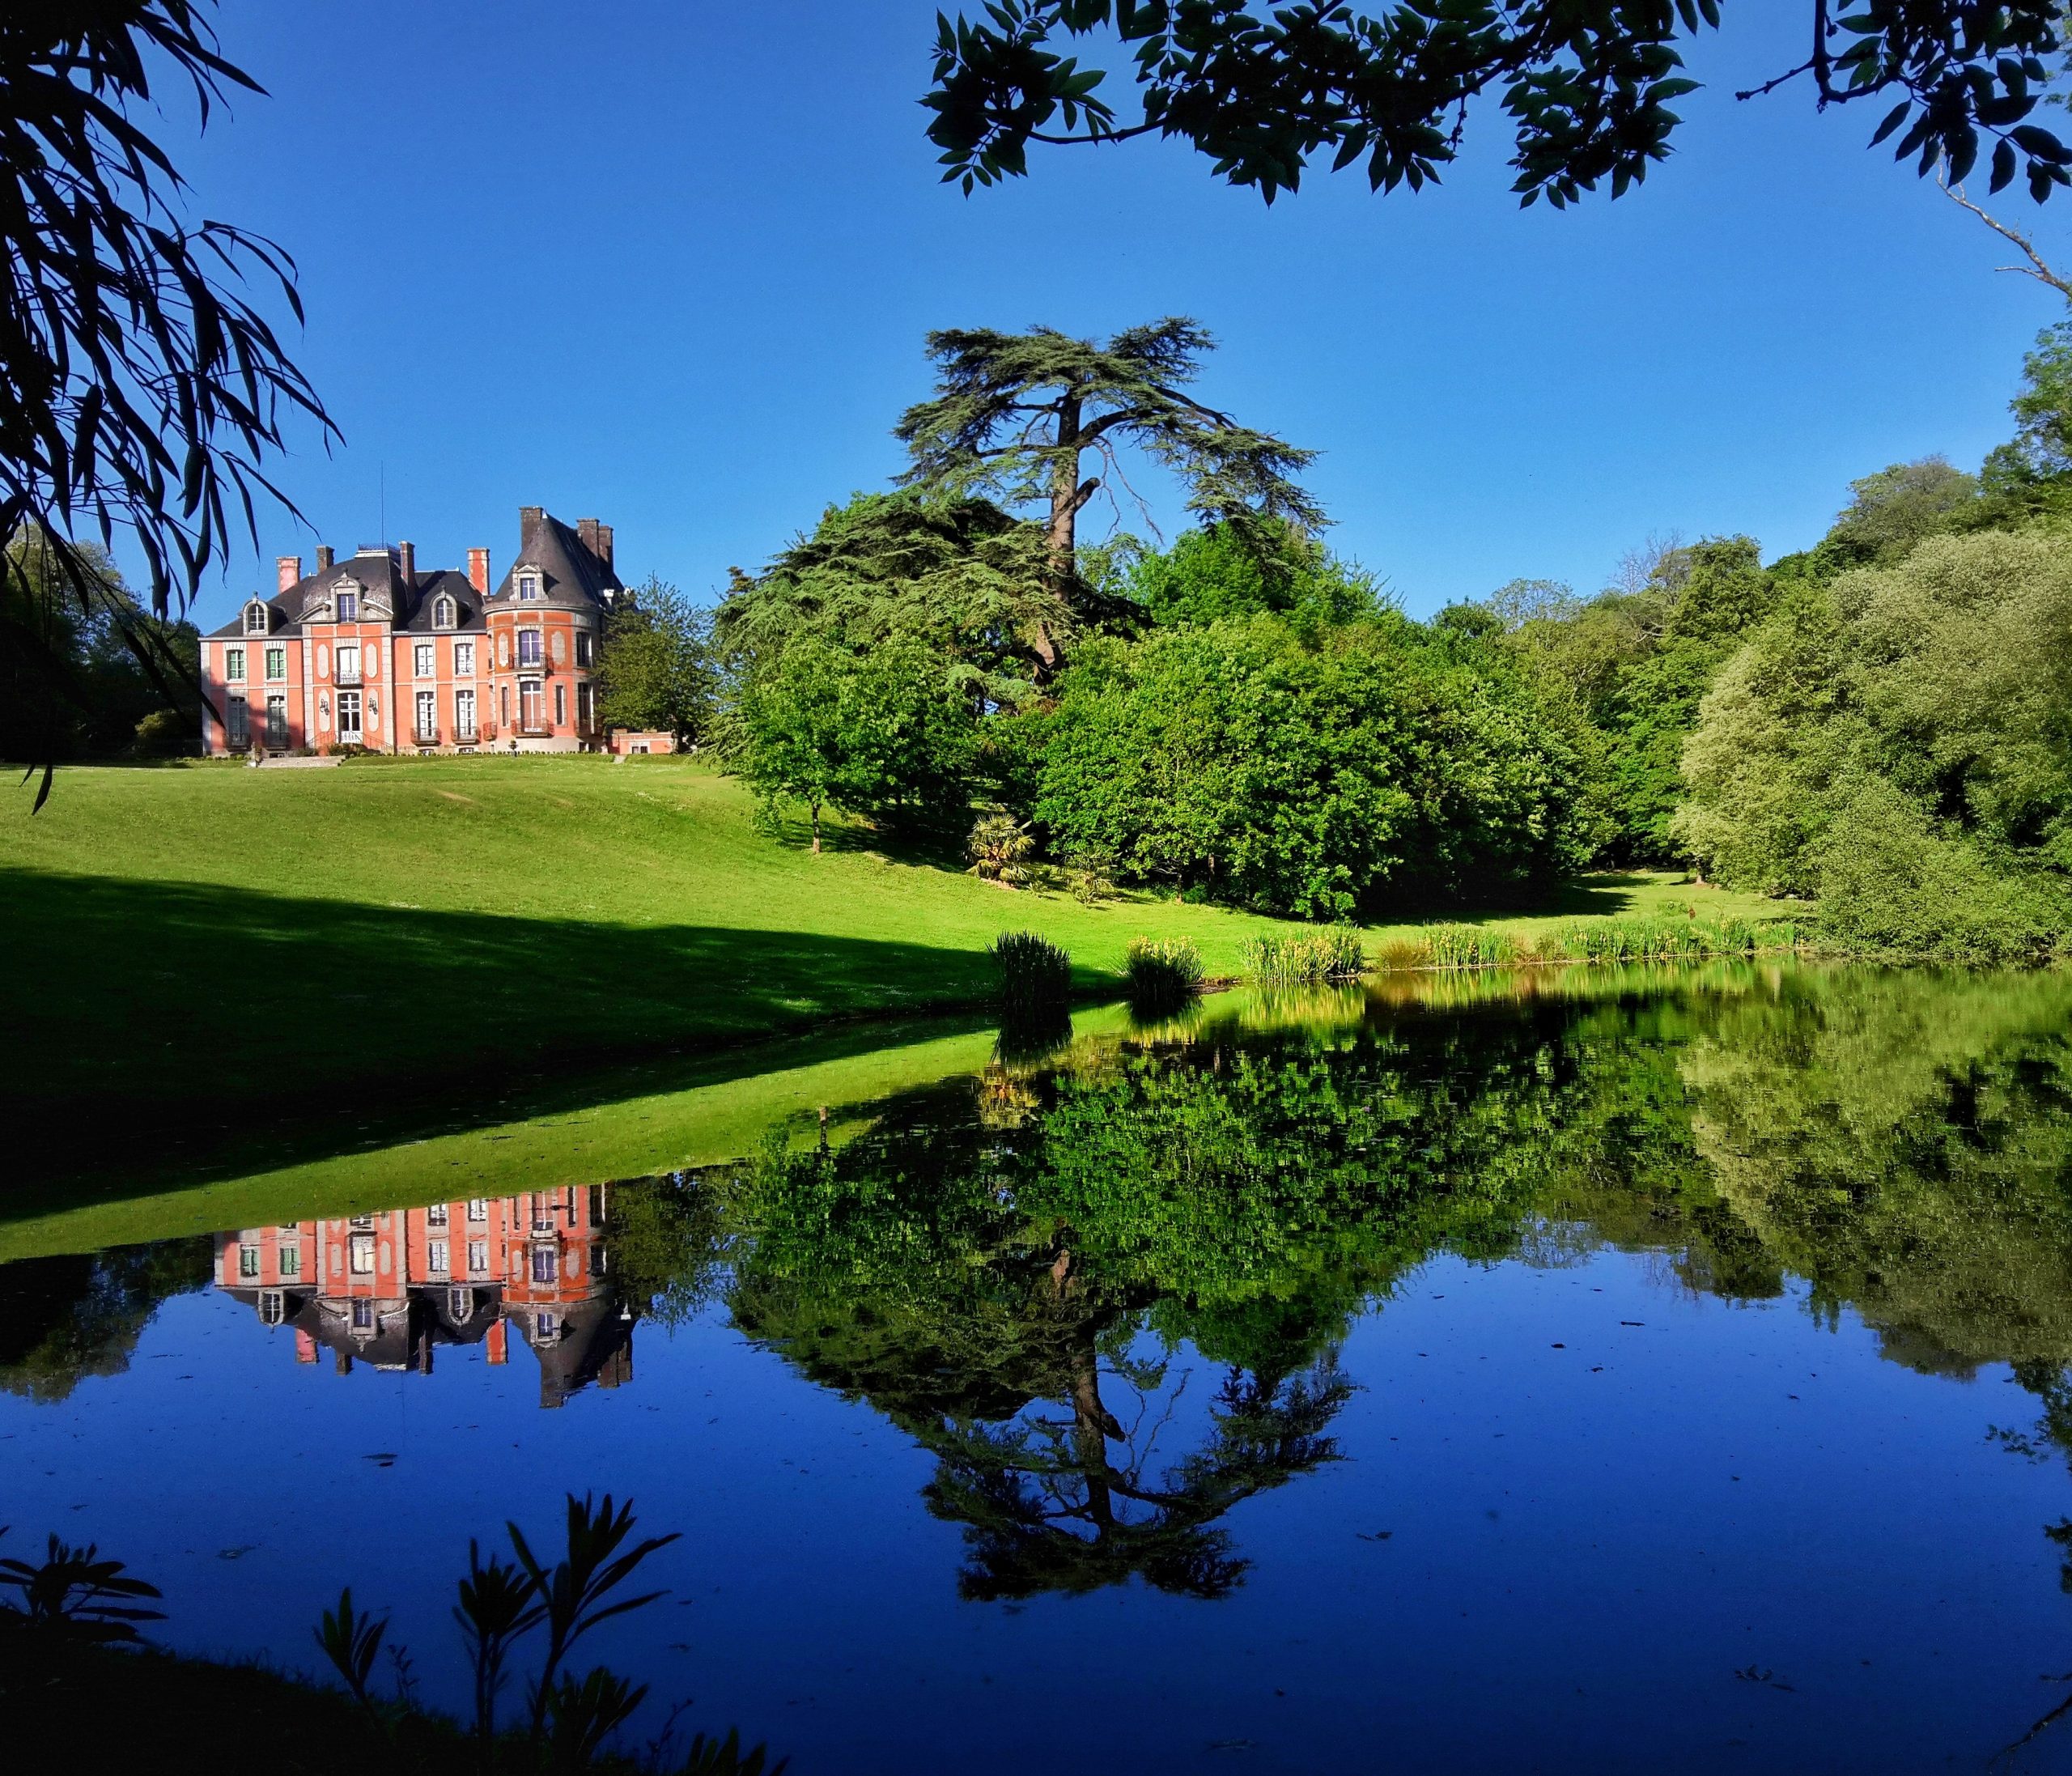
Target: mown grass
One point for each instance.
(213, 952)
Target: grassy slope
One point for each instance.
(214, 948)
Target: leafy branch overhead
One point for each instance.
(143, 390)
(1265, 89)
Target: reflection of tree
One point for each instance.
(1068, 1504)
(68, 1318)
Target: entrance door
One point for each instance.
(349, 718)
(532, 717)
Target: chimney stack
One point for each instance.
(529, 521)
(324, 558)
(604, 544)
(406, 564)
(586, 529)
(478, 570)
(288, 570)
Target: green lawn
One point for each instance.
(212, 954)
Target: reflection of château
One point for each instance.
(385, 1289)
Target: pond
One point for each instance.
(1580, 1372)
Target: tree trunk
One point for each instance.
(816, 829)
(1068, 496)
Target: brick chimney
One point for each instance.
(324, 558)
(406, 564)
(478, 570)
(604, 544)
(288, 570)
(586, 529)
(529, 521)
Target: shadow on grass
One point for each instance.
(173, 1027)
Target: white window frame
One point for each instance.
(438, 1255)
(584, 642)
(539, 641)
(276, 732)
(233, 665)
(427, 715)
(350, 736)
(464, 716)
(255, 618)
(277, 655)
(237, 721)
(528, 588)
(360, 1255)
(424, 660)
(464, 660)
(346, 606)
(443, 608)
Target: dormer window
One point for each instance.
(529, 586)
(442, 614)
(255, 618)
(348, 607)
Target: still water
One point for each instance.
(1586, 1373)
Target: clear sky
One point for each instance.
(670, 262)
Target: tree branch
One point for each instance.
(2037, 268)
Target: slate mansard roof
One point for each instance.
(571, 571)
(382, 595)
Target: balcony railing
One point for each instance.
(426, 736)
(348, 675)
(532, 730)
(465, 736)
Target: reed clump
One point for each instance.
(1162, 971)
(1333, 955)
(1034, 975)
(1603, 941)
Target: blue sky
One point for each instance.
(668, 262)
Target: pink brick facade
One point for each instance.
(373, 653)
(384, 1290)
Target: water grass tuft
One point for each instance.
(1611, 941)
(1332, 955)
(1162, 972)
(1034, 974)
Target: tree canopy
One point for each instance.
(1015, 415)
(1266, 87)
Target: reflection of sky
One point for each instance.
(1572, 1573)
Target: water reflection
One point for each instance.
(1137, 1299)
(386, 1290)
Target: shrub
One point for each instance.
(1891, 883)
(1162, 971)
(1035, 974)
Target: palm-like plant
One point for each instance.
(498, 1603)
(572, 1594)
(1000, 847)
(74, 1592)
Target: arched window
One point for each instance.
(255, 618)
(442, 614)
